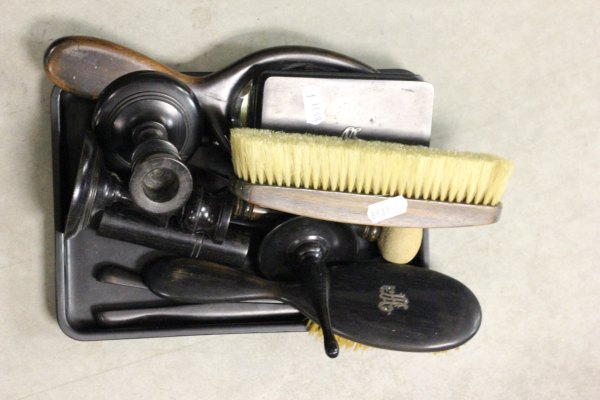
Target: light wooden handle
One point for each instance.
(351, 208)
(400, 245)
(85, 65)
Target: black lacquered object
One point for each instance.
(149, 124)
(95, 188)
(390, 306)
(127, 225)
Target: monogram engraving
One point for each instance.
(350, 132)
(390, 300)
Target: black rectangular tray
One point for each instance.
(78, 293)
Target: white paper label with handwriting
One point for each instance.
(386, 209)
(314, 109)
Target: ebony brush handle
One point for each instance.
(187, 281)
(85, 65)
(314, 276)
(378, 304)
(116, 275)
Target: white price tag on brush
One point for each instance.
(387, 209)
(314, 109)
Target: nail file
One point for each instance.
(205, 313)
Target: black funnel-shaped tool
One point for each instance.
(95, 188)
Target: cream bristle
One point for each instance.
(314, 329)
(369, 167)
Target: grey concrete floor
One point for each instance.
(516, 78)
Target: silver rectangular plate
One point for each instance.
(372, 109)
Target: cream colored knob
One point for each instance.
(400, 245)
